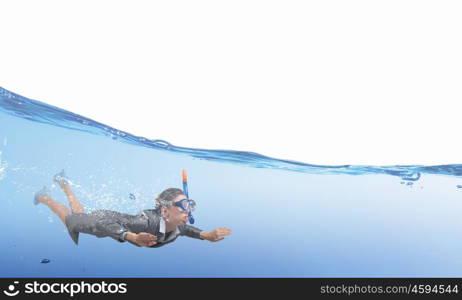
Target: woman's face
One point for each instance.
(175, 215)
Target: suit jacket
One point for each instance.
(107, 223)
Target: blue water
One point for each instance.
(289, 219)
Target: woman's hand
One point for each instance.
(142, 239)
(215, 235)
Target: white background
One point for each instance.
(328, 82)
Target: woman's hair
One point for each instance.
(166, 197)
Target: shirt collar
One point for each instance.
(162, 227)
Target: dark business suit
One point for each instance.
(108, 223)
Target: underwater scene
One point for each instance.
(288, 218)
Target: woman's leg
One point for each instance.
(58, 208)
(64, 183)
(76, 206)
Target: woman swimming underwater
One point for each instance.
(150, 228)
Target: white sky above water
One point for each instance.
(324, 82)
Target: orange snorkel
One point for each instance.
(185, 191)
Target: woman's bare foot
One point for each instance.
(42, 196)
(65, 184)
(61, 179)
